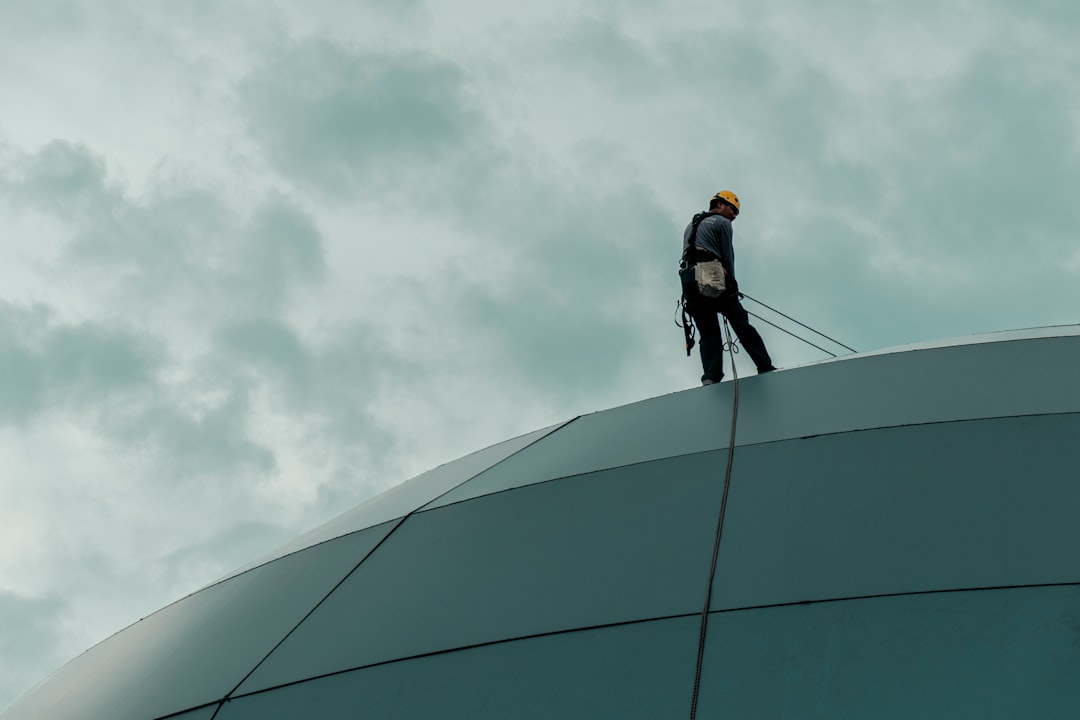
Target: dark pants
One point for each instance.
(711, 342)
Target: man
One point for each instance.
(712, 240)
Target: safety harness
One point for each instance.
(686, 276)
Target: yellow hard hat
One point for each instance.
(729, 197)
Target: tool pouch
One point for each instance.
(710, 279)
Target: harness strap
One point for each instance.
(688, 259)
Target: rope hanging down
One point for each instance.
(732, 349)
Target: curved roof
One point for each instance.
(905, 517)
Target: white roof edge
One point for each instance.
(994, 336)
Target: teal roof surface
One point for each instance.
(900, 540)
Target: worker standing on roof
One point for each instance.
(707, 238)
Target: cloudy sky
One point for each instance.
(262, 260)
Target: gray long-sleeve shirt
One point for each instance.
(714, 234)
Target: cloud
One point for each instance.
(505, 262)
(179, 245)
(327, 383)
(65, 179)
(203, 287)
(41, 17)
(285, 244)
(564, 314)
(337, 117)
(45, 365)
(170, 261)
(114, 377)
(30, 640)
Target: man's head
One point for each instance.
(725, 203)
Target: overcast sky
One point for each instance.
(262, 260)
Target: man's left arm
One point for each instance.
(727, 255)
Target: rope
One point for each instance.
(816, 332)
(791, 333)
(719, 527)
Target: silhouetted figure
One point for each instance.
(708, 237)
